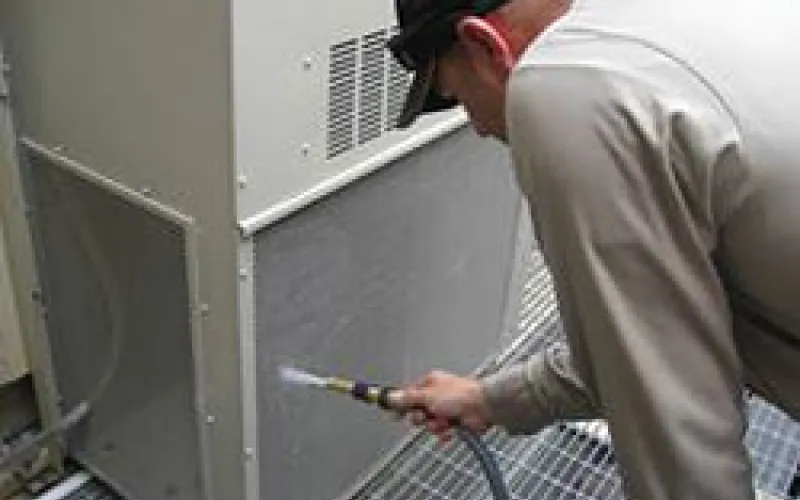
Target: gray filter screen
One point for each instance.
(402, 271)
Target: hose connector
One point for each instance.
(386, 397)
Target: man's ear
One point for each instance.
(482, 40)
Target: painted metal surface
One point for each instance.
(13, 363)
(141, 93)
(262, 218)
(249, 366)
(293, 97)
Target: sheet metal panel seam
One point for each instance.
(249, 226)
(247, 342)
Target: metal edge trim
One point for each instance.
(251, 225)
(198, 310)
(149, 204)
(249, 375)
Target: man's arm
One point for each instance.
(625, 218)
(532, 395)
(523, 399)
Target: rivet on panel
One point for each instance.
(307, 63)
(242, 181)
(250, 453)
(210, 419)
(243, 273)
(205, 309)
(305, 149)
(59, 148)
(147, 191)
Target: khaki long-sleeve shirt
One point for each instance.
(658, 145)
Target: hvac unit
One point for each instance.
(216, 189)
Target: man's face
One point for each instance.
(476, 87)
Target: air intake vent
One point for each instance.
(372, 87)
(342, 97)
(366, 92)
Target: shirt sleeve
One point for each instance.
(619, 179)
(532, 395)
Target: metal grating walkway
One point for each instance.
(566, 461)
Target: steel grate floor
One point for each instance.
(93, 491)
(567, 461)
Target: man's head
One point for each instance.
(463, 51)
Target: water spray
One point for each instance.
(391, 399)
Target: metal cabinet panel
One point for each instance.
(13, 363)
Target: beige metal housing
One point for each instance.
(13, 363)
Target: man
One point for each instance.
(658, 145)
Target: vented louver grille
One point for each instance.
(367, 88)
(372, 88)
(342, 97)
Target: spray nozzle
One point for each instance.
(387, 397)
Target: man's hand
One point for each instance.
(441, 400)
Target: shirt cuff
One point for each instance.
(512, 400)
